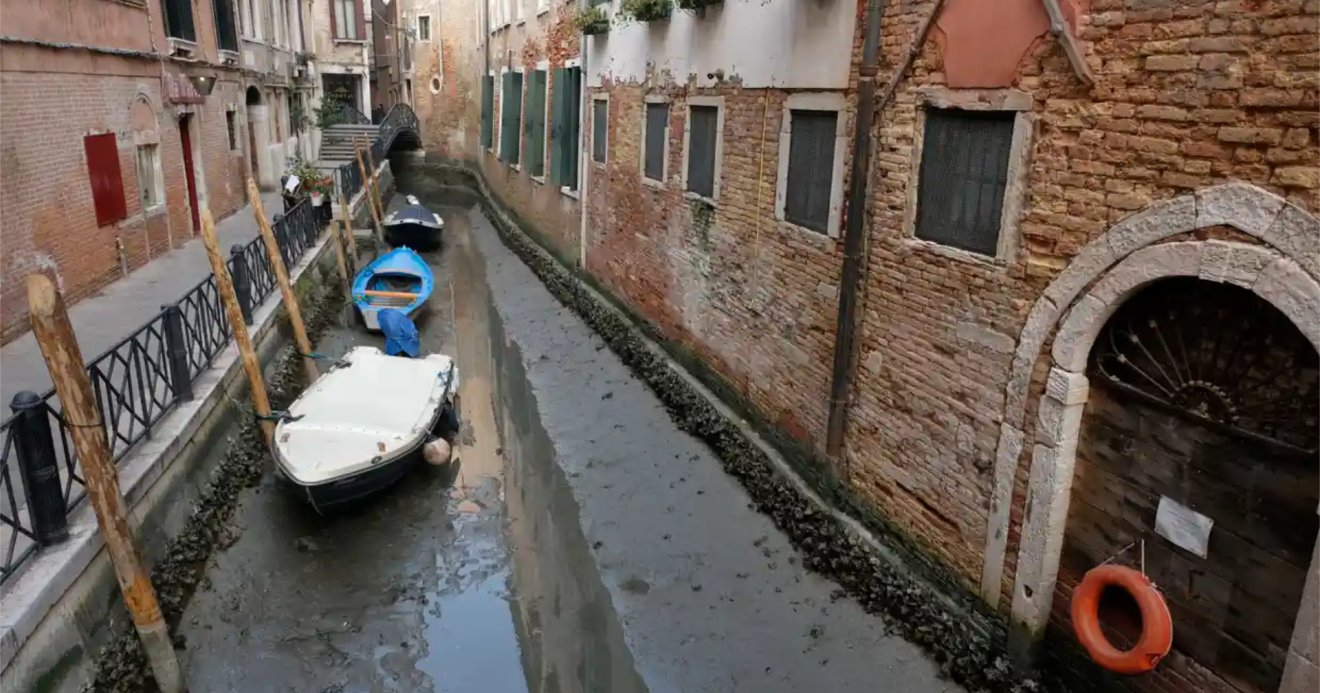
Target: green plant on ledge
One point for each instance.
(592, 21)
(693, 5)
(647, 10)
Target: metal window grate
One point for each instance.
(810, 168)
(702, 137)
(600, 111)
(657, 129)
(964, 172)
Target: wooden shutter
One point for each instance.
(536, 124)
(487, 111)
(572, 126)
(360, 16)
(557, 129)
(515, 116)
(334, 20)
(107, 181)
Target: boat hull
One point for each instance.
(416, 236)
(400, 264)
(352, 490)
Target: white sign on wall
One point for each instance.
(1183, 526)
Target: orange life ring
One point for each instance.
(1156, 623)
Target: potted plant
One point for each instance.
(592, 21)
(647, 10)
(311, 181)
(322, 188)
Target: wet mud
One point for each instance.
(909, 607)
(121, 666)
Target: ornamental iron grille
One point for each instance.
(1218, 354)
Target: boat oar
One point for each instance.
(388, 294)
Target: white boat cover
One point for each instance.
(362, 414)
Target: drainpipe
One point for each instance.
(854, 234)
(584, 163)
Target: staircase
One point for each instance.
(337, 144)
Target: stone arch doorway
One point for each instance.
(256, 119)
(1202, 409)
(1267, 246)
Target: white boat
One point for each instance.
(362, 425)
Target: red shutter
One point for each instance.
(107, 181)
(334, 21)
(363, 7)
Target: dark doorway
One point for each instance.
(185, 136)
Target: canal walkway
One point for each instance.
(108, 316)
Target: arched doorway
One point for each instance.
(256, 118)
(1198, 444)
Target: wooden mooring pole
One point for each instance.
(282, 278)
(54, 334)
(337, 238)
(367, 192)
(375, 183)
(246, 352)
(349, 238)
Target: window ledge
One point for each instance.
(182, 46)
(539, 179)
(516, 167)
(698, 197)
(569, 192)
(819, 237)
(541, 12)
(599, 164)
(151, 212)
(968, 256)
(360, 42)
(647, 180)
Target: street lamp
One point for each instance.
(204, 84)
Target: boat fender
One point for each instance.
(437, 452)
(1156, 623)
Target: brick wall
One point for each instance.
(50, 221)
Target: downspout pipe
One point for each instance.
(854, 234)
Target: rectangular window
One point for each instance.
(226, 31)
(655, 140)
(231, 124)
(565, 113)
(106, 179)
(534, 121)
(810, 168)
(488, 111)
(963, 175)
(179, 20)
(703, 140)
(510, 117)
(346, 20)
(423, 28)
(148, 172)
(600, 116)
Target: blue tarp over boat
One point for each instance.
(399, 279)
(400, 334)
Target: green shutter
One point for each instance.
(511, 107)
(487, 111)
(535, 123)
(506, 82)
(573, 111)
(557, 131)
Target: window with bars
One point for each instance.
(488, 111)
(655, 139)
(600, 115)
(963, 176)
(510, 116)
(703, 139)
(179, 20)
(810, 168)
(231, 124)
(534, 122)
(226, 31)
(424, 28)
(565, 111)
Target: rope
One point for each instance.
(59, 416)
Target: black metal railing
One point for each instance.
(137, 382)
(400, 119)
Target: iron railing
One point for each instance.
(400, 119)
(137, 382)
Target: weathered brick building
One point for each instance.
(1027, 196)
(104, 113)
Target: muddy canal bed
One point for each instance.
(581, 543)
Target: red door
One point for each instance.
(189, 176)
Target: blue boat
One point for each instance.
(399, 279)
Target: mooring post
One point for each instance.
(39, 467)
(375, 183)
(286, 288)
(242, 281)
(246, 352)
(366, 193)
(54, 334)
(349, 239)
(177, 350)
(337, 239)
